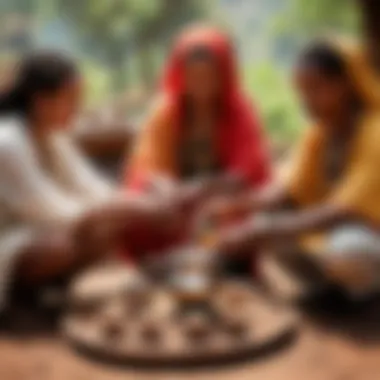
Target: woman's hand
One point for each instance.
(247, 235)
(240, 238)
(226, 184)
(172, 206)
(193, 193)
(161, 212)
(224, 208)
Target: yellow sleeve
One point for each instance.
(303, 173)
(359, 190)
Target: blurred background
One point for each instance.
(121, 44)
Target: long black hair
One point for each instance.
(37, 73)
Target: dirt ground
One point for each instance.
(326, 348)
(333, 341)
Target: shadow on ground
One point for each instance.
(332, 311)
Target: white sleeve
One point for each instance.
(29, 193)
(76, 171)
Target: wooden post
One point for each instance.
(370, 10)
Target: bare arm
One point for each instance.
(272, 197)
(271, 228)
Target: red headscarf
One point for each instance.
(241, 145)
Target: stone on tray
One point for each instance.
(151, 331)
(197, 327)
(235, 326)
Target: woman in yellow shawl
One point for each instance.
(334, 178)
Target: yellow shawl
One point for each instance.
(359, 188)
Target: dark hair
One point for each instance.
(36, 73)
(199, 53)
(323, 57)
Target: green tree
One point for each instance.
(303, 20)
(16, 25)
(20, 6)
(113, 31)
(271, 90)
(313, 15)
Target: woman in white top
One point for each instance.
(56, 214)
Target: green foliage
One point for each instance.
(269, 88)
(114, 30)
(303, 20)
(97, 82)
(307, 18)
(21, 6)
(121, 41)
(340, 14)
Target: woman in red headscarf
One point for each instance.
(202, 123)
